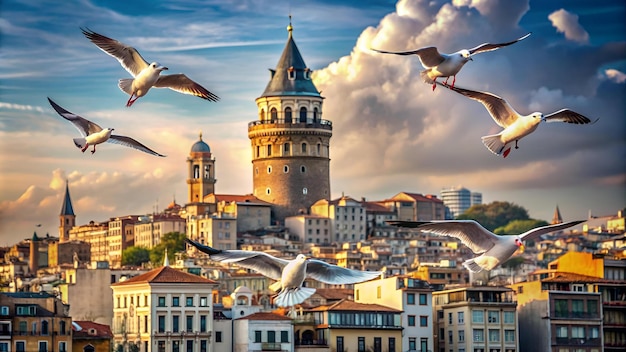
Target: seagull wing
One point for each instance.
(263, 263)
(536, 232)
(84, 126)
(429, 57)
(409, 224)
(568, 116)
(128, 56)
(501, 112)
(490, 47)
(471, 233)
(129, 142)
(332, 274)
(183, 84)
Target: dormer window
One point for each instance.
(307, 73)
(291, 73)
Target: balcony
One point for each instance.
(280, 124)
(576, 316)
(571, 341)
(271, 346)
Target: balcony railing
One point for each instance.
(575, 315)
(571, 341)
(270, 346)
(295, 123)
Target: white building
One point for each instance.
(413, 297)
(263, 332)
(459, 199)
(149, 230)
(310, 228)
(164, 310)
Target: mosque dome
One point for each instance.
(200, 146)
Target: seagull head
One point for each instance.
(520, 244)
(301, 257)
(538, 115)
(157, 67)
(466, 54)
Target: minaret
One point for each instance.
(33, 260)
(290, 141)
(557, 218)
(67, 219)
(201, 172)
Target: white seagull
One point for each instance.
(446, 65)
(92, 134)
(493, 249)
(515, 126)
(145, 75)
(289, 273)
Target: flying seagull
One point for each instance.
(493, 249)
(92, 134)
(289, 273)
(445, 65)
(515, 126)
(146, 75)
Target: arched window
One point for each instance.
(315, 117)
(286, 149)
(44, 327)
(303, 114)
(319, 149)
(303, 148)
(288, 115)
(269, 150)
(274, 114)
(291, 73)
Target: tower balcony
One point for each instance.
(260, 126)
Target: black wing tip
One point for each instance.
(408, 224)
(204, 248)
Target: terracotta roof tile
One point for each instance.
(265, 316)
(346, 305)
(166, 274)
(334, 293)
(573, 278)
(82, 329)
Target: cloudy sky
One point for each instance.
(391, 132)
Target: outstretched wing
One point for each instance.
(490, 47)
(501, 112)
(183, 84)
(128, 56)
(263, 263)
(471, 233)
(333, 274)
(568, 116)
(129, 142)
(429, 56)
(84, 126)
(536, 232)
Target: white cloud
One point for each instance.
(567, 23)
(615, 75)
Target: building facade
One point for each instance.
(459, 199)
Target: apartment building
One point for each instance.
(347, 215)
(310, 228)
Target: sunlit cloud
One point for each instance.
(567, 23)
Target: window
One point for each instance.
(175, 346)
(23, 326)
(161, 346)
(203, 301)
(560, 308)
(303, 148)
(4, 347)
(494, 335)
(592, 307)
(412, 343)
(577, 307)
(424, 344)
(4, 310)
(450, 338)
(478, 316)
(20, 346)
(340, 347)
(161, 302)
(593, 332)
(423, 301)
(378, 344)
(218, 336)
(509, 317)
(175, 323)
(423, 320)
(189, 323)
(392, 344)
(203, 323)
(161, 323)
(44, 327)
(43, 346)
(288, 115)
(493, 317)
(361, 344)
(257, 336)
(302, 169)
(450, 318)
(62, 327)
(189, 346)
(411, 319)
(284, 336)
(461, 317)
(303, 114)
(578, 332)
(479, 335)
(509, 336)
(274, 114)
(410, 298)
(189, 301)
(291, 73)
(461, 335)
(561, 331)
(269, 153)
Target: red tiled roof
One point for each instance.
(334, 293)
(247, 198)
(346, 305)
(573, 278)
(376, 207)
(83, 328)
(166, 274)
(265, 316)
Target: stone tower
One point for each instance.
(201, 172)
(290, 141)
(67, 219)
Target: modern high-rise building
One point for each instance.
(458, 199)
(290, 141)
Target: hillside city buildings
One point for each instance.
(566, 292)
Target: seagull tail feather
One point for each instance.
(293, 296)
(472, 266)
(80, 142)
(126, 85)
(494, 143)
(426, 77)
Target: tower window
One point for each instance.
(268, 191)
(292, 73)
(319, 149)
(303, 114)
(303, 169)
(262, 115)
(305, 191)
(288, 115)
(307, 73)
(258, 151)
(196, 171)
(269, 169)
(303, 148)
(256, 170)
(274, 114)
(286, 168)
(286, 149)
(315, 111)
(269, 150)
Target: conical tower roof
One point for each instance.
(291, 76)
(557, 218)
(66, 208)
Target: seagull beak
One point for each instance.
(522, 248)
(163, 68)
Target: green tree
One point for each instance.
(135, 256)
(495, 214)
(173, 241)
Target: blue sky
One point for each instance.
(391, 132)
